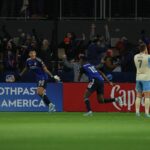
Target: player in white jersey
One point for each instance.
(142, 63)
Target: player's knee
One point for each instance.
(39, 92)
(147, 95)
(100, 100)
(139, 94)
(85, 97)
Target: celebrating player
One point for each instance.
(41, 72)
(96, 84)
(142, 63)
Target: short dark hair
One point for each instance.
(142, 47)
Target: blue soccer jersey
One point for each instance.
(91, 72)
(36, 66)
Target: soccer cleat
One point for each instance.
(89, 113)
(119, 100)
(147, 115)
(52, 108)
(138, 114)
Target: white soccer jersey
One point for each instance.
(142, 63)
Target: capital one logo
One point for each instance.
(128, 97)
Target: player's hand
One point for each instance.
(57, 78)
(111, 83)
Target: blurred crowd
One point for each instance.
(109, 55)
(14, 50)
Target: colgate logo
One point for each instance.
(128, 97)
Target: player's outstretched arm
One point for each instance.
(105, 77)
(57, 78)
(23, 71)
(48, 72)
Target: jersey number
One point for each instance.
(92, 68)
(140, 63)
(41, 83)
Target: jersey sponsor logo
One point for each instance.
(33, 66)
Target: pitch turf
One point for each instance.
(72, 131)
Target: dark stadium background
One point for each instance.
(108, 32)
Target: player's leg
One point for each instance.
(138, 102)
(87, 94)
(103, 100)
(90, 89)
(139, 89)
(147, 103)
(146, 91)
(100, 93)
(41, 92)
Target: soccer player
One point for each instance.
(96, 83)
(142, 63)
(41, 72)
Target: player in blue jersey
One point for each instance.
(96, 83)
(37, 66)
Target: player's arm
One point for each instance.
(109, 63)
(50, 74)
(23, 71)
(99, 66)
(45, 69)
(105, 77)
(57, 78)
(26, 68)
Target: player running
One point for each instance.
(142, 63)
(96, 84)
(37, 66)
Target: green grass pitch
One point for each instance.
(72, 131)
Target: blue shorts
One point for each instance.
(143, 86)
(96, 85)
(42, 83)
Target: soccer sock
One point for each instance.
(147, 104)
(109, 100)
(137, 104)
(45, 99)
(87, 103)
